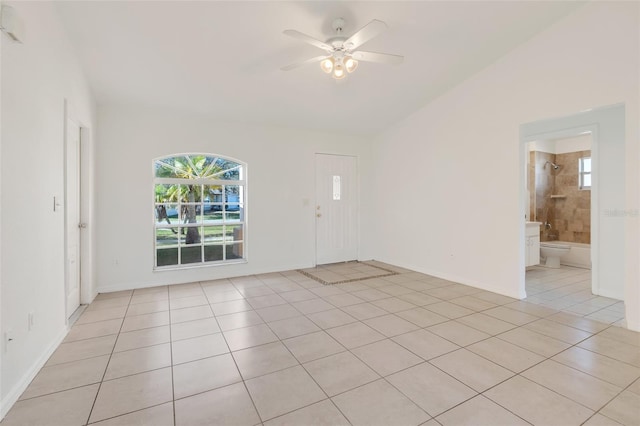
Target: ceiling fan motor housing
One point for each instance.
(337, 43)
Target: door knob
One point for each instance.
(318, 214)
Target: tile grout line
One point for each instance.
(389, 338)
(554, 391)
(244, 384)
(129, 375)
(311, 376)
(108, 362)
(362, 321)
(173, 386)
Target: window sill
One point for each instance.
(198, 265)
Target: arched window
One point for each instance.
(199, 210)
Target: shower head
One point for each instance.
(554, 165)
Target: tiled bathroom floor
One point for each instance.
(281, 348)
(569, 290)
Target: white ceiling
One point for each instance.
(223, 59)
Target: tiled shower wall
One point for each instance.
(573, 213)
(543, 178)
(570, 217)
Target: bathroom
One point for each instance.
(560, 158)
(559, 197)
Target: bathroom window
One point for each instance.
(584, 171)
(199, 211)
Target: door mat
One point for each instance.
(345, 272)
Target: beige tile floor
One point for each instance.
(569, 290)
(282, 349)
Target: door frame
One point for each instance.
(85, 210)
(608, 120)
(316, 200)
(67, 212)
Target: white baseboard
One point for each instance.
(610, 294)
(454, 278)
(633, 326)
(576, 265)
(109, 288)
(13, 395)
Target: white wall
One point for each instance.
(460, 175)
(562, 146)
(578, 143)
(281, 228)
(37, 77)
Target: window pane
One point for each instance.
(163, 193)
(166, 237)
(191, 254)
(166, 257)
(336, 188)
(233, 233)
(234, 213)
(199, 164)
(586, 179)
(191, 213)
(586, 164)
(212, 193)
(164, 168)
(232, 195)
(234, 251)
(167, 214)
(212, 216)
(175, 167)
(191, 235)
(212, 253)
(191, 193)
(212, 234)
(225, 170)
(179, 193)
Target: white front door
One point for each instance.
(336, 209)
(72, 216)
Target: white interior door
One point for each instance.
(336, 209)
(72, 216)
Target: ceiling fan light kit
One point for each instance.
(341, 55)
(338, 72)
(327, 65)
(351, 64)
(337, 66)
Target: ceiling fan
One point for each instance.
(341, 56)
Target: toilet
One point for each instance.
(551, 252)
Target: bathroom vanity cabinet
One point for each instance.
(532, 244)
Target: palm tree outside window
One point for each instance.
(199, 210)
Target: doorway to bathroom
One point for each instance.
(558, 185)
(572, 174)
(559, 176)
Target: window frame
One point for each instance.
(582, 173)
(179, 225)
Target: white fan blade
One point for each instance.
(299, 64)
(381, 58)
(308, 39)
(365, 34)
